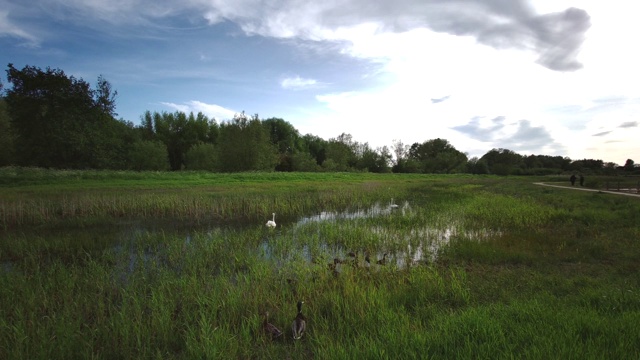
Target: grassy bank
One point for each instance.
(477, 267)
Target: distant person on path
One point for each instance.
(573, 179)
(581, 180)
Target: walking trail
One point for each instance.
(587, 189)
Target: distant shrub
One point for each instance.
(149, 155)
(303, 161)
(201, 157)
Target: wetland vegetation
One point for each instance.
(110, 264)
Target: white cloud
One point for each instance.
(555, 38)
(298, 83)
(211, 110)
(10, 29)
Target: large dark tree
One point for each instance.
(587, 166)
(378, 160)
(286, 139)
(59, 121)
(544, 164)
(245, 145)
(402, 162)
(341, 153)
(178, 132)
(316, 147)
(629, 165)
(477, 166)
(438, 156)
(6, 136)
(503, 161)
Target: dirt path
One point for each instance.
(587, 189)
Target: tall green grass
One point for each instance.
(36, 196)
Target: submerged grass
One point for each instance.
(477, 267)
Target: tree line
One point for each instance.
(52, 120)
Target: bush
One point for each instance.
(201, 157)
(303, 161)
(149, 155)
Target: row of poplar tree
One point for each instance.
(51, 120)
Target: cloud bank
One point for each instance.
(555, 38)
(519, 136)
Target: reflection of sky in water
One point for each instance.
(374, 211)
(422, 245)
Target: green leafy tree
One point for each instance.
(286, 139)
(401, 155)
(179, 132)
(59, 121)
(105, 97)
(371, 160)
(147, 126)
(245, 145)
(503, 161)
(148, 155)
(6, 135)
(342, 153)
(592, 166)
(610, 168)
(303, 161)
(438, 156)
(544, 164)
(201, 156)
(477, 166)
(629, 165)
(112, 144)
(316, 147)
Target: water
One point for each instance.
(404, 248)
(374, 211)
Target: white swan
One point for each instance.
(392, 205)
(272, 223)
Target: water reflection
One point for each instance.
(374, 211)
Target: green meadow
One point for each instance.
(160, 265)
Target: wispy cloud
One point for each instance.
(480, 131)
(211, 110)
(628, 124)
(11, 29)
(520, 136)
(439, 100)
(297, 83)
(532, 139)
(603, 133)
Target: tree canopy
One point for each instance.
(59, 121)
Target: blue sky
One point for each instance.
(536, 77)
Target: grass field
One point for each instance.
(181, 265)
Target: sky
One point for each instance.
(536, 77)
